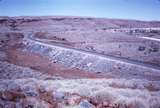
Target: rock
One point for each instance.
(30, 91)
(85, 104)
(35, 103)
(58, 95)
(12, 95)
(72, 100)
(3, 55)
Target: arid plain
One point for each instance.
(79, 62)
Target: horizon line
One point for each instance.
(99, 17)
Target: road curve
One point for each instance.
(134, 62)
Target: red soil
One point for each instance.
(43, 65)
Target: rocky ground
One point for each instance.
(75, 62)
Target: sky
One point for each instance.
(123, 9)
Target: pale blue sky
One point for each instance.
(127, 9)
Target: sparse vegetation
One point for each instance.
(61, 62)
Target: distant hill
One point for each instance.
(89, 21)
